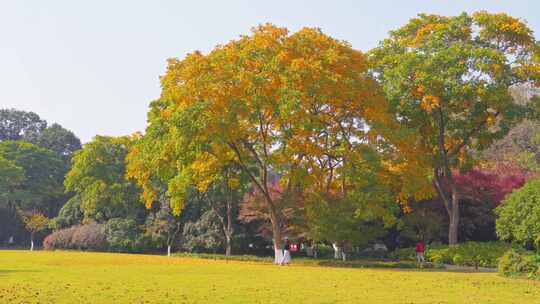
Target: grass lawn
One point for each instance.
(79, 277)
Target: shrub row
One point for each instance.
(85, 237)
(360, 263)
(476, 254)
(516, 263)
(122, 235)
(210, 256)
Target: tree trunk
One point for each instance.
(277, 236)
(451, 203)
(169, 250)
(338, 251)
(451, 199)
(453, 215)
(309, 251)
(228, 247)
(32, 242)
(228, 229)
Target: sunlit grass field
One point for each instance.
(80, 277)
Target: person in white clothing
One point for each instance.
(286, 259)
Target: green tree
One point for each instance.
(336, 221)
(15, 124)
(223, 197)
(448, 78)
(31, 175)
(57, 139)
(28, 126)
(519, 215)
(123, 234)
(162, 227)
(97, 177)
(70, 214)
(11, 179)
(353, 209)
(204, 234)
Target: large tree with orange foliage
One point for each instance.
(271, 103)
(448, 78)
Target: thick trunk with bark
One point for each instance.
(453, 216)
(450, 200)
(228, 246)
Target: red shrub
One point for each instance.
(85, 237)
(89, 237)
(60, 239)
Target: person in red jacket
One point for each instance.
(420, 252)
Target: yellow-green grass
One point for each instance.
(82, 277)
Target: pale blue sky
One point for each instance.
(93, 66)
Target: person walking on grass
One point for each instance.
(420, 248)
(286, 259)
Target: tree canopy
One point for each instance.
(57, 139)
(519, 215)
(15, 124)
(98, 178)
(448, 78)
(32, 175)
(295, 106)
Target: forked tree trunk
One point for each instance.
(262, 185)
(226, 224)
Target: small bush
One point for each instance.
(204, 235)
(123, 235)
(409, 253)
(60, 239)
(325, 251)
(520, 264)
(519, 216)
(476, 254)
(89, 237)
(85, 237)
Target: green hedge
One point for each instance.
(210, 256)
(516, 263)
(358, 263)
(476, 254)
